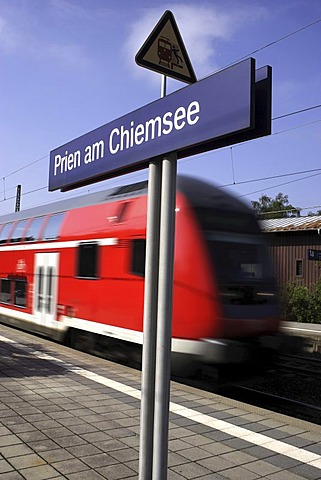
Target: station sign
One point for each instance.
(228, 107)
(314, 254)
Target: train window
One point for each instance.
(17, 234)
(5, 293)
(52, 228)
(20, 293)
(87, 262)
(298, 268)
(4, 235)
(138, 257)
(212, 220)
(33, 232)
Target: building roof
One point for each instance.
(312, 222)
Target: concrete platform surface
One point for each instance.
(67, 415)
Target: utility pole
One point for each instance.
(18, 198)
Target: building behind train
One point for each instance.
(295, 249)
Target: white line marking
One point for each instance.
(48, 245)
(283, 448)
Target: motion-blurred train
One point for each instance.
(74, 271)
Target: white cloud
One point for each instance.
(22, 33)
(8, 40)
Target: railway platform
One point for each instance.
(309, 332)
(67, 415)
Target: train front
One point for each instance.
(226, 306)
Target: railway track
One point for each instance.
(285, 406)
(309, 365)
(265, 395)
(292, 387)
(261, 392)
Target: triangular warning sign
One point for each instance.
(164, 51)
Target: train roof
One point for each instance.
(199, 193)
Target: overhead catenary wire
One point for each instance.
(279, 185)
(284, 37)
(270, 44)
(25, 166)
(297, 112)
(271, 177)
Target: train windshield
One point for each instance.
(240, 259)
(242, 269)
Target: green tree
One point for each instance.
(278, 207)
(300, 304)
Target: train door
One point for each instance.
(46, 287)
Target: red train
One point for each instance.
(74, 270)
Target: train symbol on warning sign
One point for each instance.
(168, 53)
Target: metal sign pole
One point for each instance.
(158, 316)
(164, 316)
(163, 86)
(150, 322)
(150, 315)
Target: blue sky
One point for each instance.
(67, 67)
